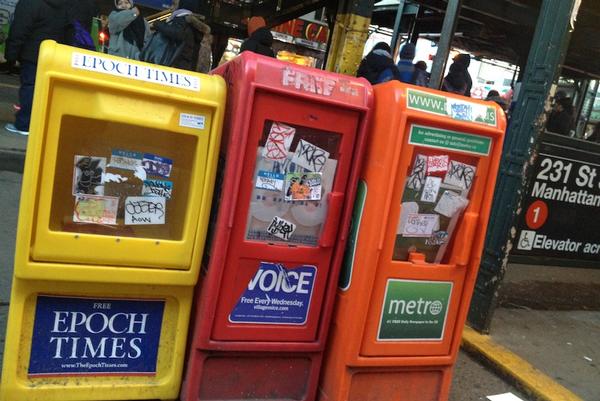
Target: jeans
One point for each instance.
(25, 95)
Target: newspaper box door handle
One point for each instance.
(335, 202)
(465, 238)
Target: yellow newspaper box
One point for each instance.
(115, 204)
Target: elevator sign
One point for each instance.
(85, 336)
(276, 295)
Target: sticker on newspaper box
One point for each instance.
(302, 186)
(270, 181)
(145, 210)
(158, 188)
(276, 295)
(156, 165)
(278, 142)
(310, 156)
(450, 204)
(87, 175)
(431, 189)
(83, 336)
(95, 209)
(192, 120)
(125, 159)
(281, 228)
(460, 175)
(421, 225)
(416, 179)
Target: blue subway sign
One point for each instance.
(95, 336)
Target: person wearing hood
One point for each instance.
(378, 66)
(260, 39)
(128, 30)
(178, 40)
(34, 21)
(406, 68)
(458, 79)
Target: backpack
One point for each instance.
(81, 37)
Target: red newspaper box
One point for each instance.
(291, 153)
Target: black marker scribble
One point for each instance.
(315, 157)
(417, 175)
(462, 172)
(144, 207)
(280, 226)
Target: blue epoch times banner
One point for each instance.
(95, 336)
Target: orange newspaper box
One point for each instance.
(419, 225)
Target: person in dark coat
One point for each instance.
(421, 76)
(260, 39)
(560, 120)
(82, 12)
(34, 21)
(458, 79)
(185, 30)
(378, 66)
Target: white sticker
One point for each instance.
(125, 159)
(450, 204)
(431, 189)
(460, 175)
(191, 120)
(421, 225)
(140, 72)
(309, 156)
(278, 142)
(281, 228)
(303, 186)
(95, 209)
(87, 175)
(145, 210)
(417, 176)
(503, 397)
(270, 181)
(407, 209)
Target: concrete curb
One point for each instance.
(515, 369)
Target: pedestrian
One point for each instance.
(421, 76)
(560, 120)
(494, 96)
(458, 79)
(406, 68)
(377, 66)
(128, 30)
(260, 39)
(33, 22)
(177, 41)
(82, 13)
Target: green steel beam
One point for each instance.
(448, 28)
(547, 52)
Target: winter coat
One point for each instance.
(259, 42)
(560, 122)
(176, 43)
(378, 67)
(118, 45)
(458, 80)
(35, 21)
(406, 69)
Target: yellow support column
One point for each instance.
(349, 36)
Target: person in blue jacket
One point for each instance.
(406, 68)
